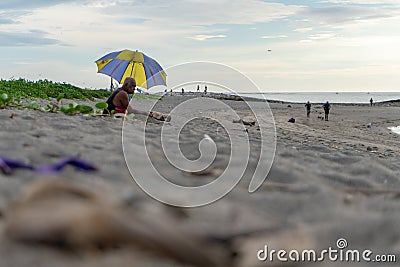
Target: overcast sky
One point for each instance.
(321, 45)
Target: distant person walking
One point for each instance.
(371, 101)
(205, 89)
(198, 88)
(327, 108)
(308, 108)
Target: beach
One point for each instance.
(329, 181)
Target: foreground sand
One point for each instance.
(329, 180)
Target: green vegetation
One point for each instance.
(55, 105)
(46, 89)
(12, 91)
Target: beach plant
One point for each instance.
(9, 101)
(53, 106)
(5, 100)
(46, 89)
(130, 116)
(60, 96)
(17, 102)
(101, 106)
(34, 105)
(69, 109)
(74, 108)
(85, 109)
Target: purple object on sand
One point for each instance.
(8, 165)
(76, 162)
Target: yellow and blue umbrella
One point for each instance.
(126, 63)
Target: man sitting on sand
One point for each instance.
(119, 99)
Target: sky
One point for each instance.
(281, 45)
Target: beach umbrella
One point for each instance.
(126, 63)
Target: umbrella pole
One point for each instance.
(132, 68)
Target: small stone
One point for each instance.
(249, 122)
(348, 199)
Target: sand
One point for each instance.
(329, 180)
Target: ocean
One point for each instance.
(321, 97)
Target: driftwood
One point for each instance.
(160, 116)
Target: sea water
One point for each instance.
(321, 97)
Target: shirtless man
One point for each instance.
(119, 99)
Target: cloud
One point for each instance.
(147, 23)
(194, 12)
(322, 36)
(273, 36)
(308, 29)
(100, 4)
(150, 22)
(10, 16)
(202, 37)
(23, 4)
(5, 21)
(365, 2)
(346, 13)
(31, 38)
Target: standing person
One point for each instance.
(183, 91)
(327, 107)
(371, 101)
(308, 108)
(205, 89)
(119, 99)
(198, 88)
